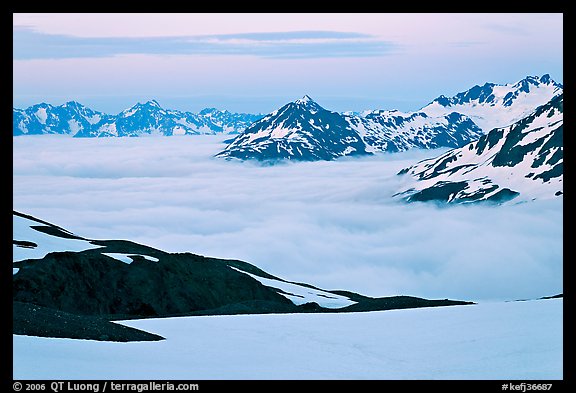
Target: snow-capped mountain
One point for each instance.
(106, 280)
(303, 130)
(227, 122)
(445, 122)
(147, 118)
(493, 105)
(522, 161)
(69, 119)
(394, 131)
(300, 130)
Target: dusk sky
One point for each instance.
(258, 62)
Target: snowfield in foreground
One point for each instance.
(500, 340)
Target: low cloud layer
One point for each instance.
(331, 224)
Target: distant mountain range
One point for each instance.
(445, 122)
(522, 161)
(65, 285)
(521, 121)
(74, 119)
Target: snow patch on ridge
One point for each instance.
(44, 243)
(126, 258)
(299, 294)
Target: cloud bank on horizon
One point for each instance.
(257, 62)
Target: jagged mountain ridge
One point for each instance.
(520, 162)
(394, 131)
(495, 105)
(149, 118)
(69, 118)
(303, 130)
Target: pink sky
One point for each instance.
(427, 55)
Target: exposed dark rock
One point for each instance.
(76, 294)
(33, 320)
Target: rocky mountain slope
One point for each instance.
(58, 276)
(520, 162)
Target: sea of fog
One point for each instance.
(331, 224)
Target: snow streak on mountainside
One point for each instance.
(492, 105)
(149, 118)
(300, 130)
(394, 131)
(522, 161)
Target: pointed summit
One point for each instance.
(545, 78)
(153, 103)
(72, 104)
(305, 103)
(305, 100)
(300, 130)
(151, 106)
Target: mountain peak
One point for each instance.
(147, 104)
(300, 130)
(305, 100)
(305, 103)
(207, 111)
(74, 104)
(152, 103)
(545, 78)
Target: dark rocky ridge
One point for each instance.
(33, 320)
(77, 294)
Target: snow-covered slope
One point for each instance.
(394, 131)
(300, 294)
(488, 341)
(33, 238)
(493, 105)
(523, 161)
(147, 118)
(300, 130)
